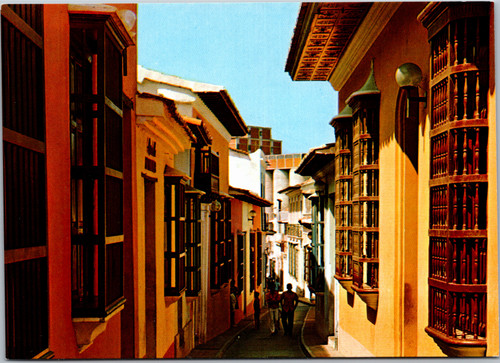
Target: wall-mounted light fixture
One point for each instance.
(251, 215)
(410, 75)
(215, 206)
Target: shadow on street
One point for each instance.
(253, 343)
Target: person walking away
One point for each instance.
(233, 302)
(289, 302)
(256, 310)
(273, 302)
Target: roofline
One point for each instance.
(311, 155)
(239, 128)
(300, 33)
(176, 81)
(194, 123)
(239, 151)
(249, 197)
(289, 188)
(172, 108)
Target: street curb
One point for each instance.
(307, 302)
(303, 345)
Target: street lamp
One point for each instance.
(409, 75)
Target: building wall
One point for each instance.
(157, 339)
(246, 171)
(240, 223)
(493, 333)
(129, 329)
(400, 261)
(397, 328)
(58, 178)
(62, 340)
(220, 142)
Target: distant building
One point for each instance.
(247, 170)
(258, 137)
(280, 174)
(320, 263)
(247, 253)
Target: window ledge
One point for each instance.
(169, 300)
(190, 299)
(46, 354)
(87, 329)
(458, 348)
(368, 296)
(346, 283)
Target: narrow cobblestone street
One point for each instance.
(253, 343)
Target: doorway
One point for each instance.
(150, 265)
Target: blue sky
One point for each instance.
(243, 47)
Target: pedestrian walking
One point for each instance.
(273, 303)
(256, 310)
(233, 300)
(289, 301)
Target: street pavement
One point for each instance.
(244, 341)
(253, 343)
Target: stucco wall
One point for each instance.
(56, 52)
(390, 331)
(492, 279)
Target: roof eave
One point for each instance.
(300, 32)
(247, 196)
(221, 104)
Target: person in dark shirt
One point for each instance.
(256, 309)
(289, 302)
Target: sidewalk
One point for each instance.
(311, 343)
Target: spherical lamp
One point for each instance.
(408, 74)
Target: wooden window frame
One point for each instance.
(459, 47)
(175, 224)
(221, 244)
(193, 243)
(97, 173)
(253, 259)
(24, 122)
(240, 240)
(365, 105)
(343, 200)
(260, 236)
(207, 170)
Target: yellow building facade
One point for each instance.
(185, 242)
(161, 136)
(415, 172)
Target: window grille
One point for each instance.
(221, 241)
(207, 171)
(96, 118)
(365, 197)
(253, 257)
(25, 249)
(259, 257)
(241, 238)
(193, 243)
(175, 234)
(343, 198)
(459, 177)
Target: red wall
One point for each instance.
(61, 334)
(62, 340)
